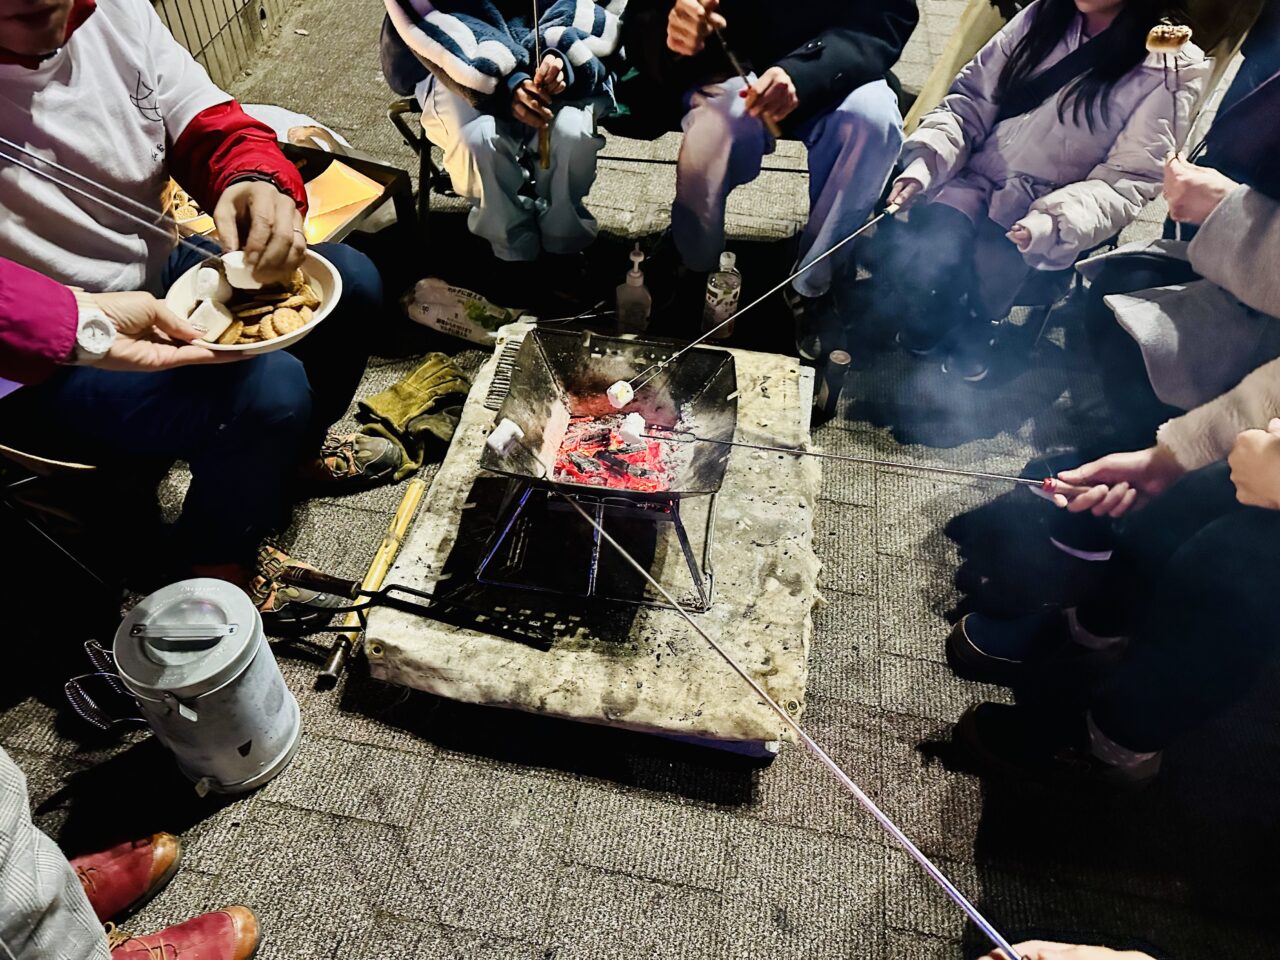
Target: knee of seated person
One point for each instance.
(361, 282)
(272, 392)
(870, 114)
(479, 137)
(722, 120)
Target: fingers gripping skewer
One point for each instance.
(774, 130)
(508, 441)
(647, 374)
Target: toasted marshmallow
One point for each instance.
(1168, 38)
(632, 429)
(239, 274)
(212, 285)
(620, 394)
(211, 318)
(504, 436)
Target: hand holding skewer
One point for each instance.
(1192, 191)
(1116, 483)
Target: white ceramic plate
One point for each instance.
(320, 273)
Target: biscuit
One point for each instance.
(232, 333)
(253, 310)
(186, 211)
(286, 320)
(309, 296)
(307, 314)
(267, 330)
(250, 330)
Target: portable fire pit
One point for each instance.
(549, 651)
(572, 449)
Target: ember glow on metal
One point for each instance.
(594, 453)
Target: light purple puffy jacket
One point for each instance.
(1070, 186)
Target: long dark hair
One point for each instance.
(1125, 46)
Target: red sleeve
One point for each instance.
(223, 143)
(38, 319)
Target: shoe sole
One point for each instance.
(967, 378)
(1092, 556)
(969, 663)
(152, 892)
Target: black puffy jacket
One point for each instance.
(828, 47)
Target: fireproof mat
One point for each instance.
(615, 664)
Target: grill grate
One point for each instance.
(501, 384)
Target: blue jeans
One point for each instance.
(242, 427)
(852, 150)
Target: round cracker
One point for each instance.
(232, 333)
(286, 320)
(266, 330)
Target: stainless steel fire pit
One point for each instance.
(556, 376)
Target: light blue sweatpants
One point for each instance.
(490, 161)
(852, 150)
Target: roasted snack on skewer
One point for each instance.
(1168, 37)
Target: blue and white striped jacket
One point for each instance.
(483, 49)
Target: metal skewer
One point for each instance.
(152, 225)
(883, 819)
(870, 461)
(651, 371)
(544, 133)
(734, 62)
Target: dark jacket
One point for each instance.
(828, 47)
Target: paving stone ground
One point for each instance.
(416, 828)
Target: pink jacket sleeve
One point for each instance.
(38, 319)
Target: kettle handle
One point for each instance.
(199, 631)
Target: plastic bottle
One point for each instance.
(634, 299)
(723, 289)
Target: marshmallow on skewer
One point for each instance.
(1168, 38)
(212, 285)
(239, 273)
(504, 436)
(620, 394)
(211, 318)
(632, 429)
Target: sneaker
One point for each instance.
(819, 329)
(1007, 652)
(971, 362)
(1012, 743)
(228, 934)
(123, 879)
(352, 462)
(918, 344)
(283, 604)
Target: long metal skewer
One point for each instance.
(871, 461)
(886, 823)
(544, 133)
(651, 371)
(774, 130)
(140, 221)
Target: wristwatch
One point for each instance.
(95, 335)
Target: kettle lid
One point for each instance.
(187, 638)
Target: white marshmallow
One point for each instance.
(212, 285)
(632, 429)
(620, 394)
(239, 274)
(211, 318)
(504, 437)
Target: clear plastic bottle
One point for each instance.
(634, 299)
(723, 289)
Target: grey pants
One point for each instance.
(44, 914)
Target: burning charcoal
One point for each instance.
(584, 463)
(636, 470)
(612, 461)
(631, 448)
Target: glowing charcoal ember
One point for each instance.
(620, 394)
(595, 453)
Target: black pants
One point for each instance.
(1135, 409)
(1193, 584)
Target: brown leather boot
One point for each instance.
(122, 880)
(228, 934)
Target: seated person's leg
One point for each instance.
(722, 148)
(483, 158)
(929, 272)
(566, 224)
(45, 912)
(852, 151)
(1207, 634)
(1135, 410)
